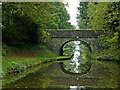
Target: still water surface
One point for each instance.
(47, 77)
(65, 74)
(79, 63)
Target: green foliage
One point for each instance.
(62, 16)
(97, 14)
(103, 41)
(26, 23)
(0, 15)
(20, 24)
(102, 16)
(4, 49)
(82, 16)
(19, 64)
(105, 16)
(53, 23)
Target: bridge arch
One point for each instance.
(62, 45)
(60, 37)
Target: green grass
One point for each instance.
(17, 60)
(10, 63)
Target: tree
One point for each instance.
(24, 23)
(82, 16)
(97, 14)
(105, 16)
(60, 10)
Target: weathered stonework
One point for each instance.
(60, 37)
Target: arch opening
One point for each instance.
(63, 44)
(79, 64)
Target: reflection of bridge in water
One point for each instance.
(58, 38)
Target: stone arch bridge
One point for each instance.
(60, 37)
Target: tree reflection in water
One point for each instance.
(79, 63)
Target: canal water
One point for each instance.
(79, 63)
(58, 74)
(77, 73)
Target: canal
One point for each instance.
(80, 72)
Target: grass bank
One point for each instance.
(17, 60)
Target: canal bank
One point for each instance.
(50, 75)
(17, 61)
(102, 75)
